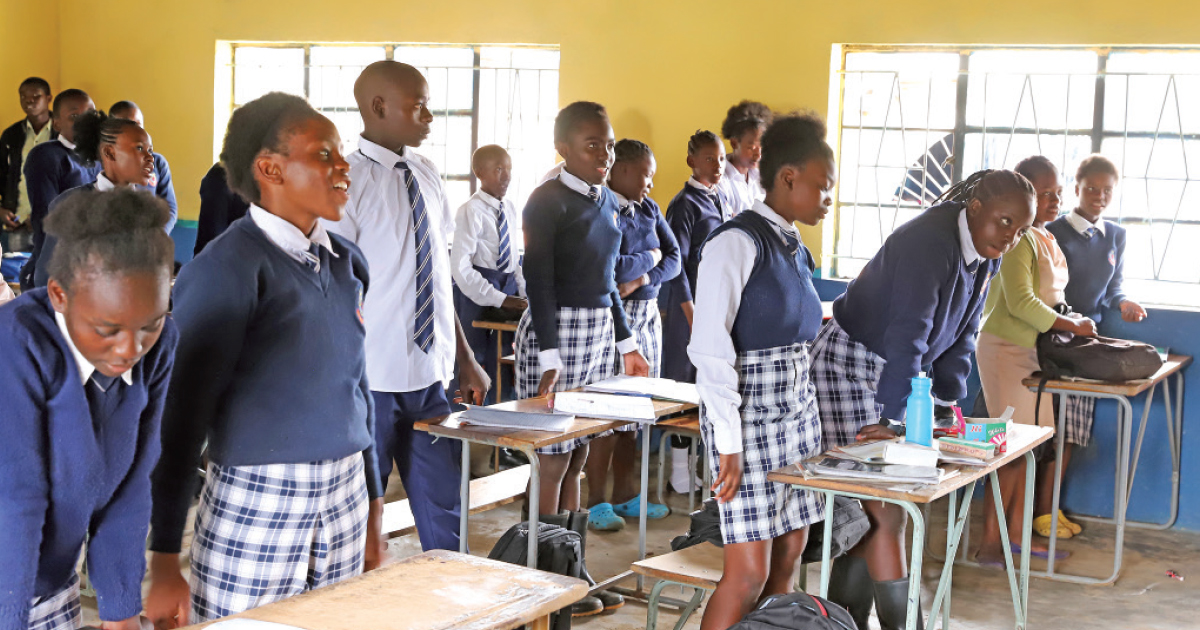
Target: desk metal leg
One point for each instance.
(464, 496)
(535, 495)
(645, 500)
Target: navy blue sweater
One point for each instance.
(692, 216)
(641, 231)
(272, 368)
(571, 246)
(50, 170)
(916, 306)
(219, 207)
(164, 189)
(67, 472)
(1096, 267)
(12, 144)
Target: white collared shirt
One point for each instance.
(379, 219)
(741, 191)
(969, 253)
(86, 369)
(66, 143)
(103, 183)
(715, 193)
(552, 173)
(289, 238)
(32, 139)
(477, 244)
(724, 270)
(1081, 223)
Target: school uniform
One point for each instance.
(486, 267)
(164, 189)
(51, 169)
(693, 214)
(1095, 255)
(740, 191)
(756, 313)
(272, 374)
(398, 215)
(644, 228)
(914, 307)
(15, 144)
(572, 240)
(76, 451)
(219, 207)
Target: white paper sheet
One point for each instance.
(605, 406)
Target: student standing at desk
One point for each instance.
(916, 305)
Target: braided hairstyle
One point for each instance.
(629, 150)
(744, 117)
(987, 185)
(94, 129)
(701, 139)
(793, 139)
(114, 232)
(264, 124)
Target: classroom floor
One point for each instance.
(1143, 599)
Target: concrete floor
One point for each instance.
(1143, 598)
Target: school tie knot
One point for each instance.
(1090, 233)
(972, 267)
(628, 209)
(312, 257)
(791, 241)
(594, 193)
(102, 381)
(423, 322)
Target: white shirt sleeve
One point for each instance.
(549, 360)
(466, 240)
(724, 269)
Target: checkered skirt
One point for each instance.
(780, 426)
(1078, 426)
(586, 346)
(846, 375)
(266, 533)
(60, 611)
(646, 324)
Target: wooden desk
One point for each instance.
(1125, 471)
(528, 442)
(500, 328)
(1021, 442)
(433, 591)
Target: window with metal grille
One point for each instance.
(479, 95)
(909, 121)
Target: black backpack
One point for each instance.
(1063, 354)
(558, 550)
(796, 611)
(850, 524)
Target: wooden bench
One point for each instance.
(487, 493)
(698, 568)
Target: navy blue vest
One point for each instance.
(779, 306)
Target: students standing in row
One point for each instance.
(915, 307)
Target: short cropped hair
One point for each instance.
(262, 124)
(114, 232)
(574, 115)
(67, 95)
(1035, 166)
(484, 154)
(1096, 164)
(36, 82)
(792, 140)
(629, 150)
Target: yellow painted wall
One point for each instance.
(29, 46)
(663, 67)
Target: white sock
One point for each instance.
(681, 469)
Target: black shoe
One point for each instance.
(587, 607)
(851, 588)
(891, 604)
(578, 522)
(611, 600)
(512, 459)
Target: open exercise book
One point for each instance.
(532, 415)
(660, 388)
(827, 467)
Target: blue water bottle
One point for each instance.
(919, 414)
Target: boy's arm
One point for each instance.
(165, 190)
(466, 241)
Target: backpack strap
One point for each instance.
(1037, 408)
(820, 606)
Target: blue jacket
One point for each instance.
(642, 230)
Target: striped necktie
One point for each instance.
(792, 241)
(720, 206)
(312, 257)
(505, 257)
(973, 266)
(594, 193)
(423, 326)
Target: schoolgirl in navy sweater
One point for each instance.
(566, 337)
(161, 185)
(273, 375)
(914, 307)
(85, 371)
(756, 312)
(125, 154)
(649, 257)
(52, 168)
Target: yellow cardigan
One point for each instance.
(1013, 310)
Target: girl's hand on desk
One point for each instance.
(1132, 311)
(875, 432)
(169, 601)
(636, 365)
(729, 477)
(376, 549)
(546, 386)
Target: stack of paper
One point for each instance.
(513, 419)
(835, 468)
(605, 406)
(660, 388)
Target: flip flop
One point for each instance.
(1045, 555)
(632, 509)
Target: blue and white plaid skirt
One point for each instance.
(846, 375)
(646, 324)
(266, 533)
(780, 426)
(587, 348)
(60, 611)
(1078, 426)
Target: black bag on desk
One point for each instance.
(850, 524)
(558, 551)
(796, 611)
(1063, 354)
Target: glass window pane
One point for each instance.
(1032, 89)
(900, 90)
(258, 71)
(435, 56)
(349, 126)
(528, 58)
(333, 70)
(449, 144)
(1003, 150)
(1162, 104)
(875, 165)
(457, 193)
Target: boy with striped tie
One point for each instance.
(484, 262)
(399, 217)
